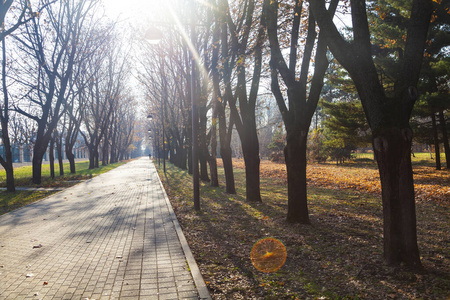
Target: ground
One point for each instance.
(338, 256)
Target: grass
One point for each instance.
(338, 256)
(18, 199)
(23, 178)
(419, 159)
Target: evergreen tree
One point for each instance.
(346, 128)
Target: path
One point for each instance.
(112, 237)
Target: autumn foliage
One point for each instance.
(429, 184)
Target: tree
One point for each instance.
(220, 71)
(244, 113)
(302, 92)
(52, 41)
(388, 23)
(388, 114)
(25, 14)
(107, 73)
(346, 128)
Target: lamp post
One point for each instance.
(195, 170)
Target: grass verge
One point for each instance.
(338, 256)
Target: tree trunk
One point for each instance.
(8, 162)
(60, 154)
(444, 137)
(225, 153)
(250, 149)
(96, 158)
(436, 142)
(52, 157)
(9, 169)
(203, 153)
(37, 169)
(105, 152)
(39, 149)
(91, 157)
(295, 156)
(213, 157)
(189, 159)
(71, 158)
(393, 149)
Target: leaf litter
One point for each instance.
(338, 256)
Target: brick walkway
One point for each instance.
(112, 237)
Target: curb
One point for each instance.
(195, 271)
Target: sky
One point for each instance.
(132, 12)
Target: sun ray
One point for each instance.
(189, 43)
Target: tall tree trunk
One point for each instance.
(436, 141)
(295, 157)
(203, 153)
(183, 158)
(40, 147)
(393, 152)
(91, 157)
(96, 157)
(52, 157)
(105, 153)
(7, 163)
(250, 149)
(37, 169)
(9, 169)
(71, 158)
(444, 137)
(213, 157)
(227, 160)
(189, 158)
(60, 153)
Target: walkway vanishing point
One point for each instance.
(112, 237)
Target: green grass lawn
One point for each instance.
(420, 158)
(23, 176)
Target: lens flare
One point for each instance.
(268, 255)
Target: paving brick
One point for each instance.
(109, 237)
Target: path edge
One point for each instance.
(195, 271)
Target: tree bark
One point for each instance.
(393, 151)
(295, 156)
(444, 137)
(437, 151)
(60, 153)
(203, 153)
(7, 163)
(250, 149)
(213, 157)
(388, 117)
(51, 158)
(225, 153)
(37, 168)
(105, 153)
(71, 158)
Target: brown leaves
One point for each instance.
(430, 185)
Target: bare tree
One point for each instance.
(25, 13)
(52, 41)
(107, 70)
(388, 114)
(303, 94)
